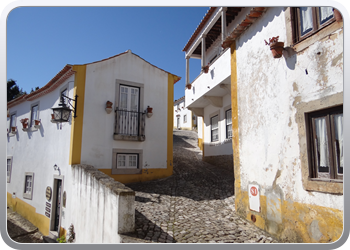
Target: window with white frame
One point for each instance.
(214, 126)
(185, 118)
(228, 115)
(9, 168)
(28, 185)
(127, 161)
(12, 121)
(34, 114)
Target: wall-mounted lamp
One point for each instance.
(61, 114)
(55, 167)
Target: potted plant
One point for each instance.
(24, 122)
(13, 130)
(188, 86)
(337, 15)
(37, 122)
(275, 46)
(109, 107)
(149, 111)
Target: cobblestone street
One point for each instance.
(194, 205)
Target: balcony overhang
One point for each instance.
(214, 96)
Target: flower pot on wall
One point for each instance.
(188, 86)
(206, 69)
(277, 49)
(37, 122)
(109, 108)
(337, 15)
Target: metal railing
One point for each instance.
(131, 123)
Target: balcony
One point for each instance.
(129, 125)
(209, 88)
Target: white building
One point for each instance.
(183, 118)
(126, 141)
(286, 109)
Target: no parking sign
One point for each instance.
(254, 197)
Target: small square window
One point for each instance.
(28, 185)
(127, 161)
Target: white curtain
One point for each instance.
(123, 98)
(325, 13)
(322, 141)
(338, 120)
(306, 19)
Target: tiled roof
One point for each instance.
(200, 26)
(253, 15)
(179, 100)
(63, 75)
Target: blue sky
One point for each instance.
(42, 40)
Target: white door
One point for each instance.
(128, 116)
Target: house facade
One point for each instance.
(287, 115)
(183, 118)
(117, 128)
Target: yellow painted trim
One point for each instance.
(235, 125)
(29, 213)
(203, 154)
(146, 175)
(77, 123)
(297, 218)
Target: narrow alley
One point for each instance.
(194, 205)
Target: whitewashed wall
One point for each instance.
(98, 128)
(223, 146)
(102, 208)
(182, 112)
(38, 151)
(267, 91)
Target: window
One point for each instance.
(214, 123)
(308, 20)
(34, 114)
(185, 118)
(127, 161)
(228, 116)
(12, 121)
(28, 185)
(325, 144)
(9, 168)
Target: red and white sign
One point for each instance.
(254, 191)
(254, 197)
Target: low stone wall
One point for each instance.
(102, 208)
(222, 161)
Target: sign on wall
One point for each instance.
(254, 197)
(48, 193)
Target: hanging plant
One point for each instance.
(275, 47)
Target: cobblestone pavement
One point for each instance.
(194, 205)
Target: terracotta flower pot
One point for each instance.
(37, 122)
(337, 15)
(13, 129)
(109, 104)
(52, 117)
(188, 86)
(149, 110)
(206, 69)
(276, 49)
(25, 125)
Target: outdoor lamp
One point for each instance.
(62, 113)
